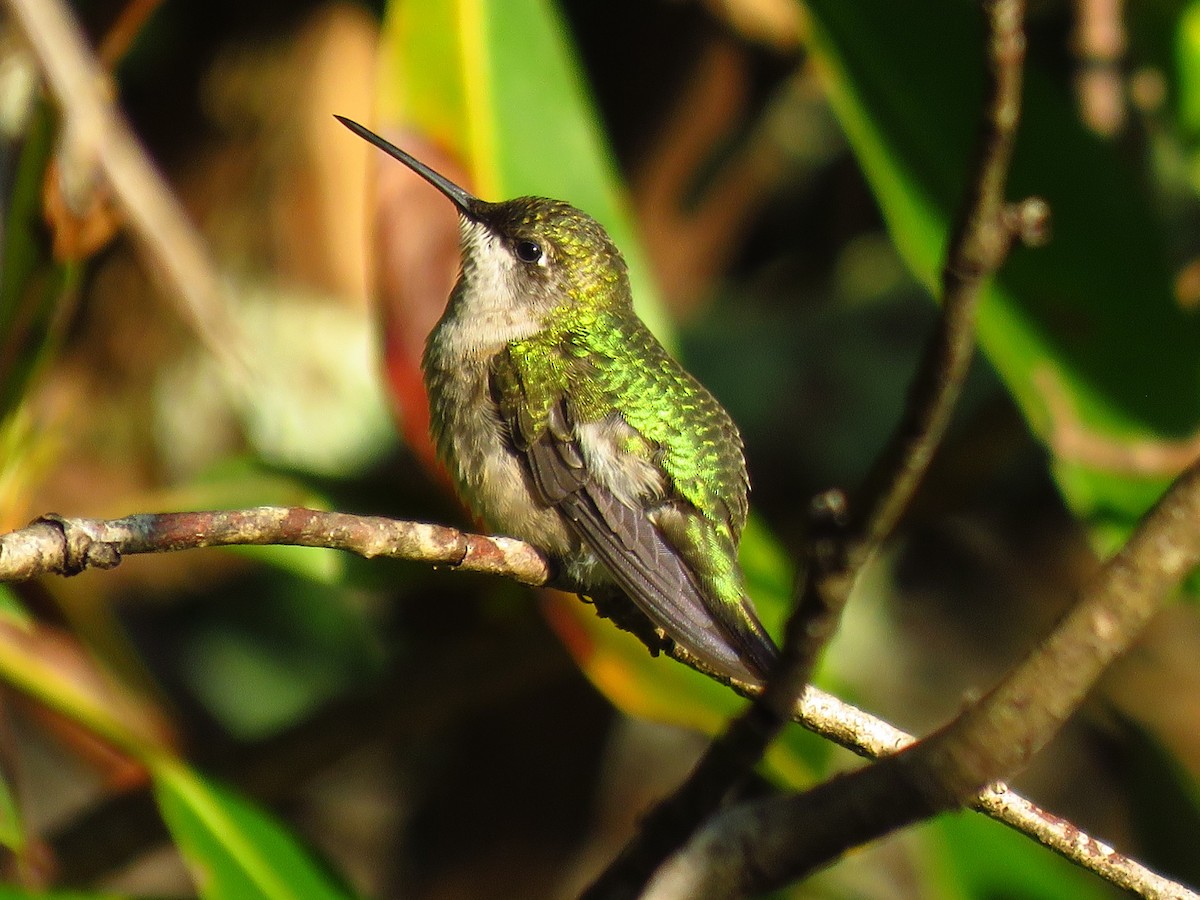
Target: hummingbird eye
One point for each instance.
(528, 251)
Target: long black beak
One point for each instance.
(466, 202)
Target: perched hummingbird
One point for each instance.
(566, 424)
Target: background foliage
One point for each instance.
(781, 178)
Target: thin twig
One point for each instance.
(124, 31)
(59, 545)
(97, 137)
(842, 541)
(979, 244)
(772, 843)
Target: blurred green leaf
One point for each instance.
(313, 563)
(1188, 67)
(246, 481)
(33, 287)
(235, 850)
(275, 649)
(108, 710)
(12, 611)
(1085, 332)
(973, 856)
(12, 827)
(278, 646)
(241, 481)
(34, 295)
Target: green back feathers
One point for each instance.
(605, 362)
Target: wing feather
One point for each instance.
(639, 557)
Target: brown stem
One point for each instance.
(124, 31)
(58, 545)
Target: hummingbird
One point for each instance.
(566, 424)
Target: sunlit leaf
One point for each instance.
(58, 673)
(235, 850)
(1188, 67)
(464, 73)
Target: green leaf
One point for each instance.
(246, 481)
(235, 850)
(1188, 67)
(12, 610)
(274, 649)
(1085, 332)
(12, 827)
(109, 711)
(33, 287)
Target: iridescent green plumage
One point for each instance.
(566, 424)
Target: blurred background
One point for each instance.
(781, 177)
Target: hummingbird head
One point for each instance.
(541, 258)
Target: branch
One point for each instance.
(843, 540)
(979, 243)
(57, 545)
(870, 737)
(769, 844)
(61, 546)
(97, 138)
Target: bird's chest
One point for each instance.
(474, 442)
